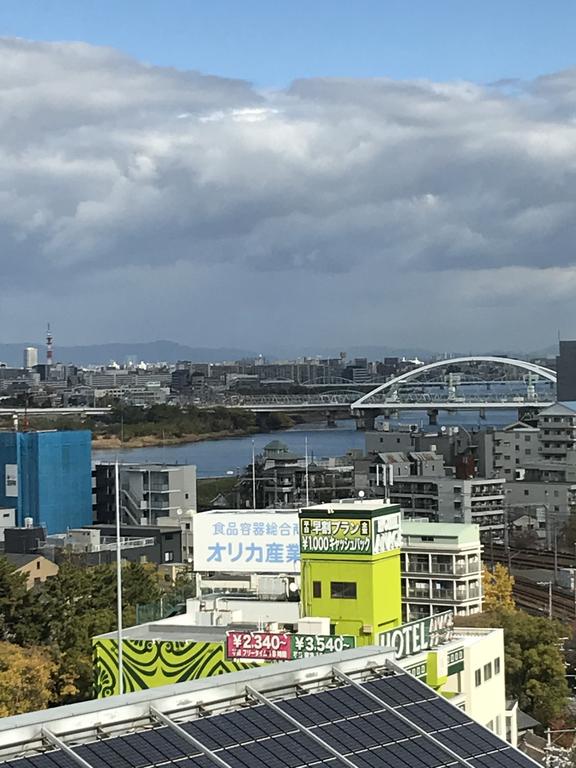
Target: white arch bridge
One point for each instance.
(480, 382)
(474, 383)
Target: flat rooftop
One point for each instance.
(249, 512)
(357, 505)
(356, 709)
(460, 533)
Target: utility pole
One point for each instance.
(574, 580)
(491, 549)
(507, 538)
(119, 583)
(253, 477)
(549, 585)
(555, 548)
(307, 474)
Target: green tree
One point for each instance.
(535, 671)
(80, 603)
(17, 615)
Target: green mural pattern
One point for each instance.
(149, 663)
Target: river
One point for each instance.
(215, 458)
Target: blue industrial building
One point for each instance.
(47, 476)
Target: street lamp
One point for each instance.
(549, 585)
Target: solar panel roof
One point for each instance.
(390, 721)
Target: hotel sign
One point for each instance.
(418, 636)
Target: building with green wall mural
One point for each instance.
(159, 654)
(350, 567)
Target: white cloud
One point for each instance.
(107, 164)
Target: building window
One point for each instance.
(343, 590)
(487, 671)
(526, 492)
(478, 677)
(497, 666)
(316, 589)
(168, 557)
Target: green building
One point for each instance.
(350, 567)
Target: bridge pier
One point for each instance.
(482, 413)
(365, 419)
(432, 416)
(330, 419)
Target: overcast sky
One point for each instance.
(141, 202)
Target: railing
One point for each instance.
(442, 594)
(442, 568)
(109, 543)
(417, 568)
(419, 593)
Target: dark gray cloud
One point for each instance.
(392, 199)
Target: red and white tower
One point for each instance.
(49, 351)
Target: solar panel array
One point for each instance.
(352, 723)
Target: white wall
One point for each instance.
(486, 702)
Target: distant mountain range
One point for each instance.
(171, 352)
(101, 354)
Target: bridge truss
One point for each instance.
(465, 383)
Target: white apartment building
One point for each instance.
(441, 569)
(468, 663)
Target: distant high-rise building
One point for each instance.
(30, 357)
(566, 371)
(47, 478)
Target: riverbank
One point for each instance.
(111, 442)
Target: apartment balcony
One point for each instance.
(417, 568)
(485, 496)
(418, 594)
(446, 568)
(555, 450)
(443, 594)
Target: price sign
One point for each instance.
(276, 646)
(258, 645)
(314, 645)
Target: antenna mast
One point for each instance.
(49, 350)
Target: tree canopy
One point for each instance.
(534, 662)
(497, 585)
(26, 679)
(55, 625)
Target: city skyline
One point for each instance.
(149, 202)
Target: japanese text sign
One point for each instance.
(242, 542)
(275, 646)
(353, 536)
(265, 646)
(335, 536)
